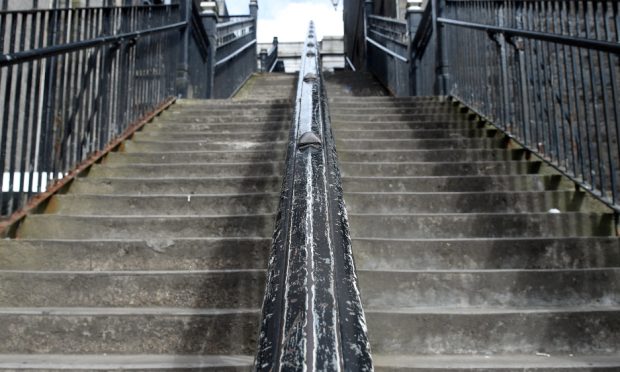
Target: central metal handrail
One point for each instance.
(312, 318)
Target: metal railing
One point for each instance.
(387, 43)
(312, 317)
(269, 58)
(235, 55)
(545, 72)
(74, 79)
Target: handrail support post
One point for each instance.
(441, 62)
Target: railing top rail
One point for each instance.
(388, 19)
(235, 23)
(604, 46)
(34, 54)
(312, 317)
(107, 7)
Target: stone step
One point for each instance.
(254, 136)
(526, 182)
(379, 134)
(188, 103)
(399, 117)
(176, 146)
(211, 289)
(539, 361)
(163, 205)
(470, 331)
(135, 362)
(145, 227)
(456, 155)
(408, 169)
(129, 331)
(380, 100)
(438, 108)
(486, 254)
(176, 186)
(127, 254)
(471, 202)
(480, 225)
(196, 157)
(419, 144)
(174, 127)
(184, 170)
(242, 110)
(223, 119)
(400, 125)
(493, 288)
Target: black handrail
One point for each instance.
(312, 318)
(11, 59)
(74, 80)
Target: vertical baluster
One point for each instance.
(614, 63)
(17, 120)
(591, 86)
(38, 40)
(604, 80)
(5, 79)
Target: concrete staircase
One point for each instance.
(463, 261)
(156, 260)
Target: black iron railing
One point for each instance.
(387, 43)
(74, 79)
(235, 55)
(268, 59)
(312, 317)
(545, 72)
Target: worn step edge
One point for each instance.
(495, 362)
(64, 362)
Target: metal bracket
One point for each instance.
(308, 139)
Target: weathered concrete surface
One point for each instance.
(470, 256)
(156, 259)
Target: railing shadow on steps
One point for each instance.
(75, 81)
(312, 318)
(546, 73)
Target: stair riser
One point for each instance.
(184, 290)
(187, 118)
(176, 186)
(512, 333)
(419, 144)
(174, 127)
(415, 134)
(163, 147)
(401, 125)
(66, 227)
(398, 117)
(441, 109)
(486, 254)
(228, 111)
(480, 225)
(441, 169)
(195, 157)
(456, 184)
(130, 334)
(184, 170)
(469, 203)
(210, 136)
(163, 205)
(166, 254)
(430, 156)
(491, 288)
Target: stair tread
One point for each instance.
(121, 362)
(494, 361)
